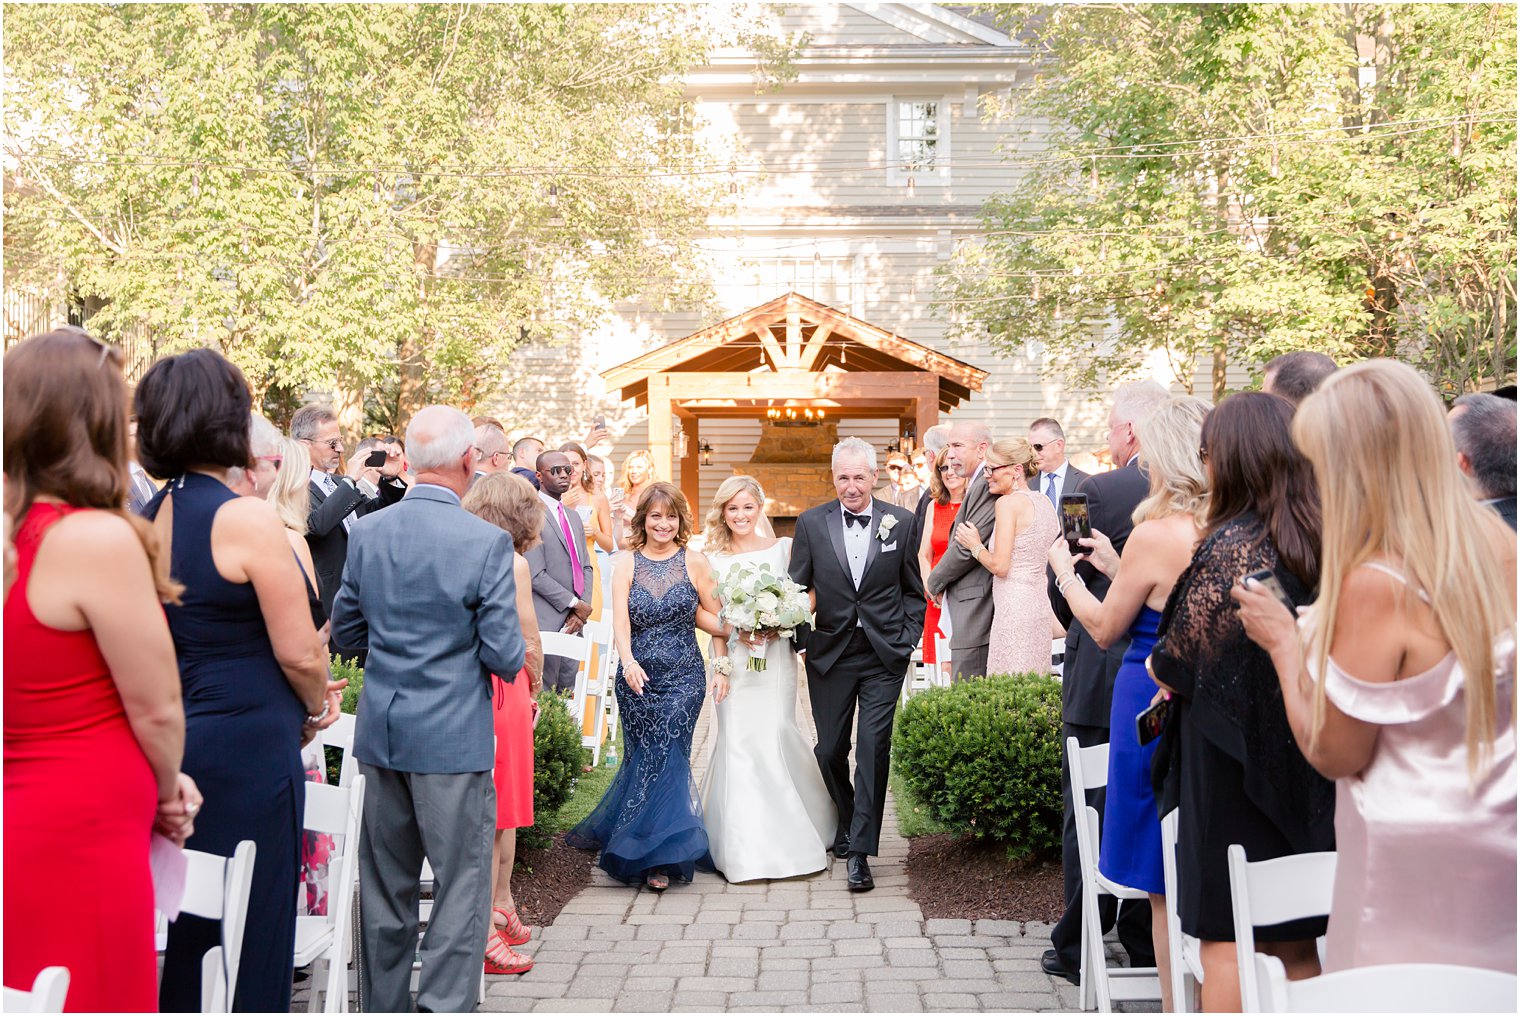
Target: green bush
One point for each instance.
(558, 760)
(340, 669)
(984, 757)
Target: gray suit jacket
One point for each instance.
(553, 584)
(428, 590)
(966, 585)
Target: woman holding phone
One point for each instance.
(1168, 525)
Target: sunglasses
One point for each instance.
(336, 444)
(558, 470)
(895, 468)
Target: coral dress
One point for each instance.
(939, 542)
(80, 799)
(512, 722)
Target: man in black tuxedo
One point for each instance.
(1087, 679)
(855, 557)
(336, 500)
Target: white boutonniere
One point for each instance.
(885, 530)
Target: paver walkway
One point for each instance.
(803, 944)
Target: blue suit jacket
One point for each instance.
(428, 589)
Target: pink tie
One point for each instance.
(578, 581)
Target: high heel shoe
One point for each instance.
(503, 959)
(513, 931)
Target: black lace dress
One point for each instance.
(1228, 759)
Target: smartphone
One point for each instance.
(1076, 524)
(1269, 580)
(599, 422)
(1149, 724)
(376, 459)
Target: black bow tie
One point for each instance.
(852, 519)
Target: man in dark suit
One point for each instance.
(561, 567)
(1056, 475)
(336, 500)
(1483, 427)
(961, 585)
(861, 571)
(1087, 683)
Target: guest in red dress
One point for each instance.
(94, 728)
(509, 501)
(946, 487)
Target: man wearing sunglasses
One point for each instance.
(336, 498)
(561, 566)
(1057, 476)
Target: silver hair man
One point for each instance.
(854, 447)
(438, 437)
(936, 437)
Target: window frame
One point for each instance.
(939, 174)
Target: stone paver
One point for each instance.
(798, 945)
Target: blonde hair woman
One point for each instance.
(291, 499)
(637, 477)
(1023, 527)
(1403, 688)
(764, 804)
(1168, 525)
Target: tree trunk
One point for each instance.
(348, 403)
(411, 357)
(1221, 361)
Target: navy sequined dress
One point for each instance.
(650, 819)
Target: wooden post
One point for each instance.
(659, 425)
(926, 415)
(691, 465)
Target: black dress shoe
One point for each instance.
(1051, 963)
(859, 878)
(841, 847)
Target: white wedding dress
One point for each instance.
(764, 804)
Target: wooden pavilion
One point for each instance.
(789, 363)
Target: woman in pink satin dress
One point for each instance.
(1402, 690)
(1023, 529)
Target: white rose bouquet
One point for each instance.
(759, 600)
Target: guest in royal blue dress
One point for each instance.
(648, 826)
(252, 671)
(1168, 526)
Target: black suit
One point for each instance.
(1505, 506)
(328, 539)
(858, 649)
(1087, 693)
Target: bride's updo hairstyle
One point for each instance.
(668, 496)
(715, 533)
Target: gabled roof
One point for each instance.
(794, 333)
(934, 23)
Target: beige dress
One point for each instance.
(1019, 642)
(1426, 865)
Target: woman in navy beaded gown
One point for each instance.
(648, 826)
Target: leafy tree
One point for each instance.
(1227, 182)
(378, 199)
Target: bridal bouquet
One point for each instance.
(758, 599)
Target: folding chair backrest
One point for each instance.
(47, 993)
(1270, 892)
(218, 888)
(1396, 987)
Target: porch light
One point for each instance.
(705, 450)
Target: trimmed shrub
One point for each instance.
(558, 760)
(984, 756)
(340, 669)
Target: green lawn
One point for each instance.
(913, 817)
(589, 788)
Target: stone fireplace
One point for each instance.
(792, 465)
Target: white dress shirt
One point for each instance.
(857, 542)
(1060, 474)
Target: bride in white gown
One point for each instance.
(764, 804)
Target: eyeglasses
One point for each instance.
(1006, 465)
(560, 470)
(278, 460)
(947, 468)
(336, 443)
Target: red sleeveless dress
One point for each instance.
(80, 800)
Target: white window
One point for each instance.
(918, 139)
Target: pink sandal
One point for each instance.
(503, 959)
(513, 931)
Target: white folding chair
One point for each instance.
(218, 889)
(1271, 892)
(1187, 960)
(920, 675)
(1397, 987)
(1089, 771)
(326, 941)
(341, 736)
(1058, 656)
(600, 670)
(47, 993)
(578, 648)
